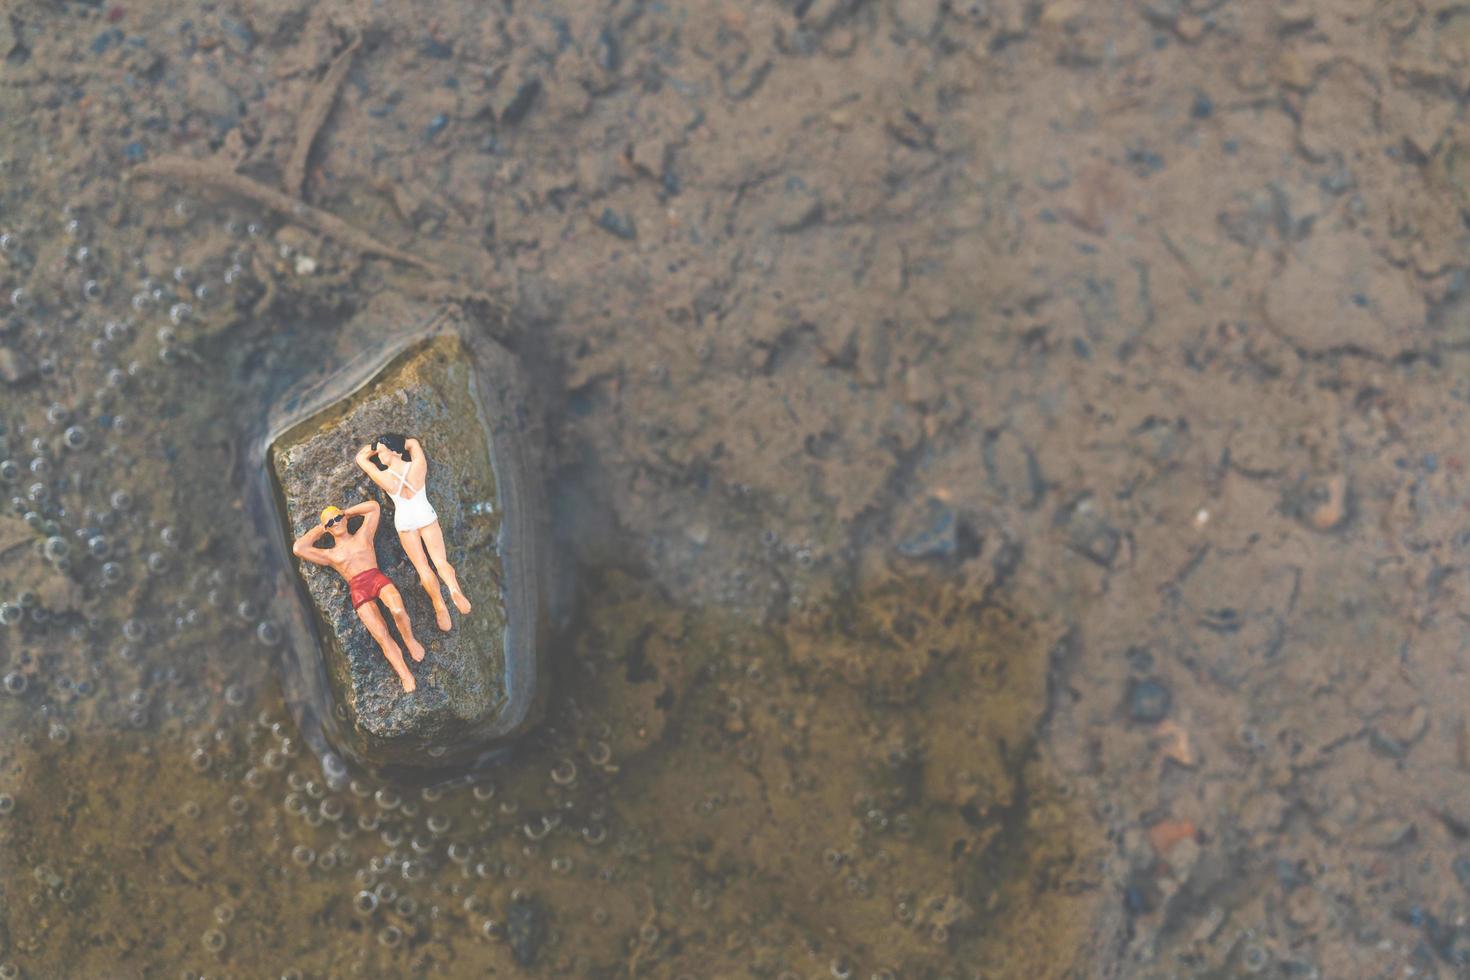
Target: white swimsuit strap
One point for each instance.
(403, 482)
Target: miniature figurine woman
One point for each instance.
(401, 467)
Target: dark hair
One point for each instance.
(395, 441)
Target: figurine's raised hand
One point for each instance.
(364, 456)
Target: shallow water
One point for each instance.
(1006, 450)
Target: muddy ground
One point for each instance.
(1009, 450)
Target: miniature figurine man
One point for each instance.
(352, 556)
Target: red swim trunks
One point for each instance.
(366, 585)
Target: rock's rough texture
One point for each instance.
(472, 683)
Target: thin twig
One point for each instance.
(213, 176)
(314, 116)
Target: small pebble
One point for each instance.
(1148, 700)
(617, 224)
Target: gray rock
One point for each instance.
(1148, 700)
(208, 95)
(525, 927)
(514, 95)
(482, 681)
(930, 531)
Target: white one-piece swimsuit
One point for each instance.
(411, 513)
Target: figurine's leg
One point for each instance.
(393, 599)
(373, 620)
(434, 541)
(414, 548)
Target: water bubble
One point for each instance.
(405, 906)
(200, 760)
(59, 733)
(134, 630)
(157, 562)
(564, 773)
(1254, 958)
(214, 940)
(390, 936)
(438, 824)
(38, 493)
(9, 243)
(191, 809)
(9, 471)
(121, 500)
(10, 614)
(303, 856)
(16, 683)
(365, 903)
(20, 299)
(594, 834)
(180, 312)
(224, 913)
(234, 695)
(56, 548)
(7, 804)
(238, 804)
(459, 853)
(268, 633)
(98, 546)
(92, 290)
(331, 808)
(484, 791)
(387, 799)
(561, 864)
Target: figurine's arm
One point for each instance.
(370, 513)
(415, 449)
(364, 461)
(302, 547)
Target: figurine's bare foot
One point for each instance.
(415, 649)
(408, 682)
(441, 617)
(460, 602)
